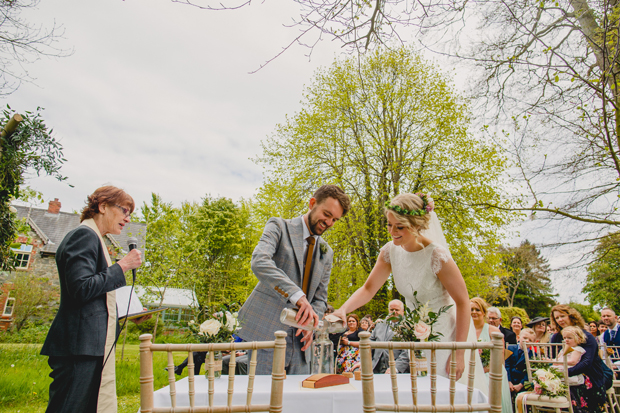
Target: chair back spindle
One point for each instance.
(495, 377)
(147, 348)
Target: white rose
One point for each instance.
(422, 331)
(210, 327)
(553, 385)
(231, 322)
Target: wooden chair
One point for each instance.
(542, 357)
(146, 375)
(611, 355)
(495, 375)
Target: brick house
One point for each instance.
(36, 250)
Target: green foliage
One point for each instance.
(602, 282)
(35, 298)
(528, 285)
(509, 312)
(587, 311)
(24, 384)
(29, 334)
(30, 148)
(204, 247)
(387, 124)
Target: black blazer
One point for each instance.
(80, 326)
(509, 336)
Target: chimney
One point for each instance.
(54, 206)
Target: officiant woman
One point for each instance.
(80, 341)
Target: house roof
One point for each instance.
(173, 297)
(52, 228)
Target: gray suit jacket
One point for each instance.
(277, 262)
(380, 357)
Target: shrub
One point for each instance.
(509, 312)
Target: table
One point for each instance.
(338, 399)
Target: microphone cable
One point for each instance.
(132, 243)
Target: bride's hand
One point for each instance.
(341, 315)
(460, 364)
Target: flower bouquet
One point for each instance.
(548, 382)
(218, 329)
(417, 325)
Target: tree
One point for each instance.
(34, 298)
(547, 76)
(602, 282)
(30, 148)
(224, 240)
(387, 124)
(22, 42)
(528, 286)
(203, 247)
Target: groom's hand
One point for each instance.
(307, 338)
(306, 313)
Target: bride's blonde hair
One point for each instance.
(410, 202)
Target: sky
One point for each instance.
(157, 97)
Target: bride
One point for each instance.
(419, 259)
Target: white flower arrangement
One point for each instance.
(417, 324)
(548, 382)
(218, 329)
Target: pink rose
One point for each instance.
(422, 331)
(537, 389)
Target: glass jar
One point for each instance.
(322, 355)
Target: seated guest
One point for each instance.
(494, 317)
(383, 332)
(516, 325)
(593, 328)
(515, 363)
(539, 325)
(602, 327)
(241, 367)
(365, 324)
(349, 349)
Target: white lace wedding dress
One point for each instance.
(417, 272)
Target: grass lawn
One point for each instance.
(24, 382)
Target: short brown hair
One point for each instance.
(333, 191)
(356, 317)
(108, 195)
(573, 315)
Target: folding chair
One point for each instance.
(611, 355)
(495, 376)
(146, 375)
(541, 357)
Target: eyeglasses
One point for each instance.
(126, 212)
(492, 318)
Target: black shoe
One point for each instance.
(178, 370)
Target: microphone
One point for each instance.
(132, 243)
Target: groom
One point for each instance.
(293, 265)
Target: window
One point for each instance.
(22, 256)
(9, 306)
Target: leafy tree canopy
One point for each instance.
(387, 124)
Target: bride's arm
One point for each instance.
(376, 279)
(452, 280)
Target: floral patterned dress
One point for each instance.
(348, 355)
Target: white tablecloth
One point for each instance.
(338, 399)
